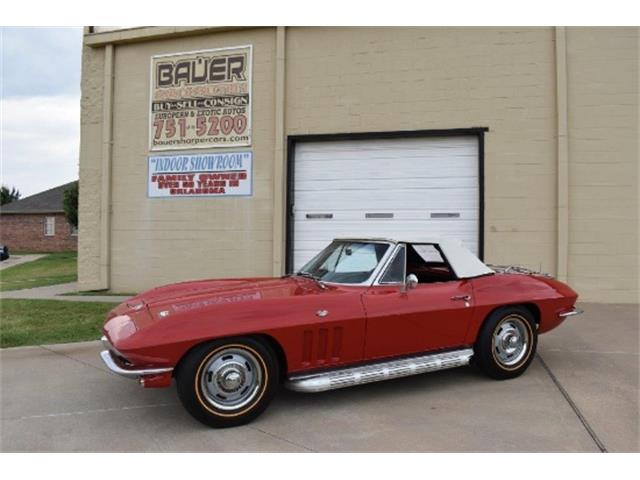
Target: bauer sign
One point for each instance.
(195, 175)
(201, 99)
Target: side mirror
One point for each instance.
(410, 282)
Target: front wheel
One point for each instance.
(228, 382)
(506, 343)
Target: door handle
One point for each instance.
(465, 298)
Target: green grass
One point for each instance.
(53, 269)
(37, 322)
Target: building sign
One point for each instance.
(201, 99)
(211, 175)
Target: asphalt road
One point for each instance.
(579, 395)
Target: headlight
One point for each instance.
(120, 327)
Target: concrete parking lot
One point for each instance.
(579, 395)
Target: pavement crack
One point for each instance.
(86, 364)
(278, 437)
(86, 412)
(573, 406)
(591, 352)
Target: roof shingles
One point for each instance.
(49, 201)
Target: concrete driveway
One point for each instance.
(579, 395)
(14, 260)
(62, 292)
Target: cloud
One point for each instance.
(39, 107)
(40, 138)
(40, 61)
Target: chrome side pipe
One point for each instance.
(397, 368)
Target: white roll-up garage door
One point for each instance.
(398, 188)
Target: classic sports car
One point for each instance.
(360, 311)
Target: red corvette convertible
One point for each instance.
(360, 311)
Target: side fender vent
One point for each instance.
(322, 346)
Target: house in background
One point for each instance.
(37, 223)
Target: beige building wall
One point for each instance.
(381, 79)
(173, 239)
(603, 167)
(89, 215)
(154, 240)
(342, 80)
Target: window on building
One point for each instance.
(50, 226)
(74, 230)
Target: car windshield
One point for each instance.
(346, 262)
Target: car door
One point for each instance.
(433, 315)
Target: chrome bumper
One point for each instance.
(115, 368)
(574, 311)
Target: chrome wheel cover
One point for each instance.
(231, 379)
(511, 340)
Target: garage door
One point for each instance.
(398, 188)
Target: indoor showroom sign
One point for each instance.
(201, 99)
(208, 175)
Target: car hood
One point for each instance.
(188, 296)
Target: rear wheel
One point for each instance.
(506, 343)
(228, 382)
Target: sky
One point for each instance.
(39, 107)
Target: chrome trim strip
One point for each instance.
(350, 376)
(571, 313)
(115, 368)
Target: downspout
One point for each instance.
(562, 240)
(279, 158)
(107, 145)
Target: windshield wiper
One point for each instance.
(311, 276)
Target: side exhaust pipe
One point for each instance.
(350, 376)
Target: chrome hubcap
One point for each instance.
(510, 341)
(231, 379)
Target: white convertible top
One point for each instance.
(464, 263)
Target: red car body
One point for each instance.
(314, 326)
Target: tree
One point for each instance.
(70, 204)
(7, 196)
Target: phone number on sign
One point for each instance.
(204, 126)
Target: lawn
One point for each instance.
(53, 269)
(37, 322)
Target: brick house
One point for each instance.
(37, 223)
